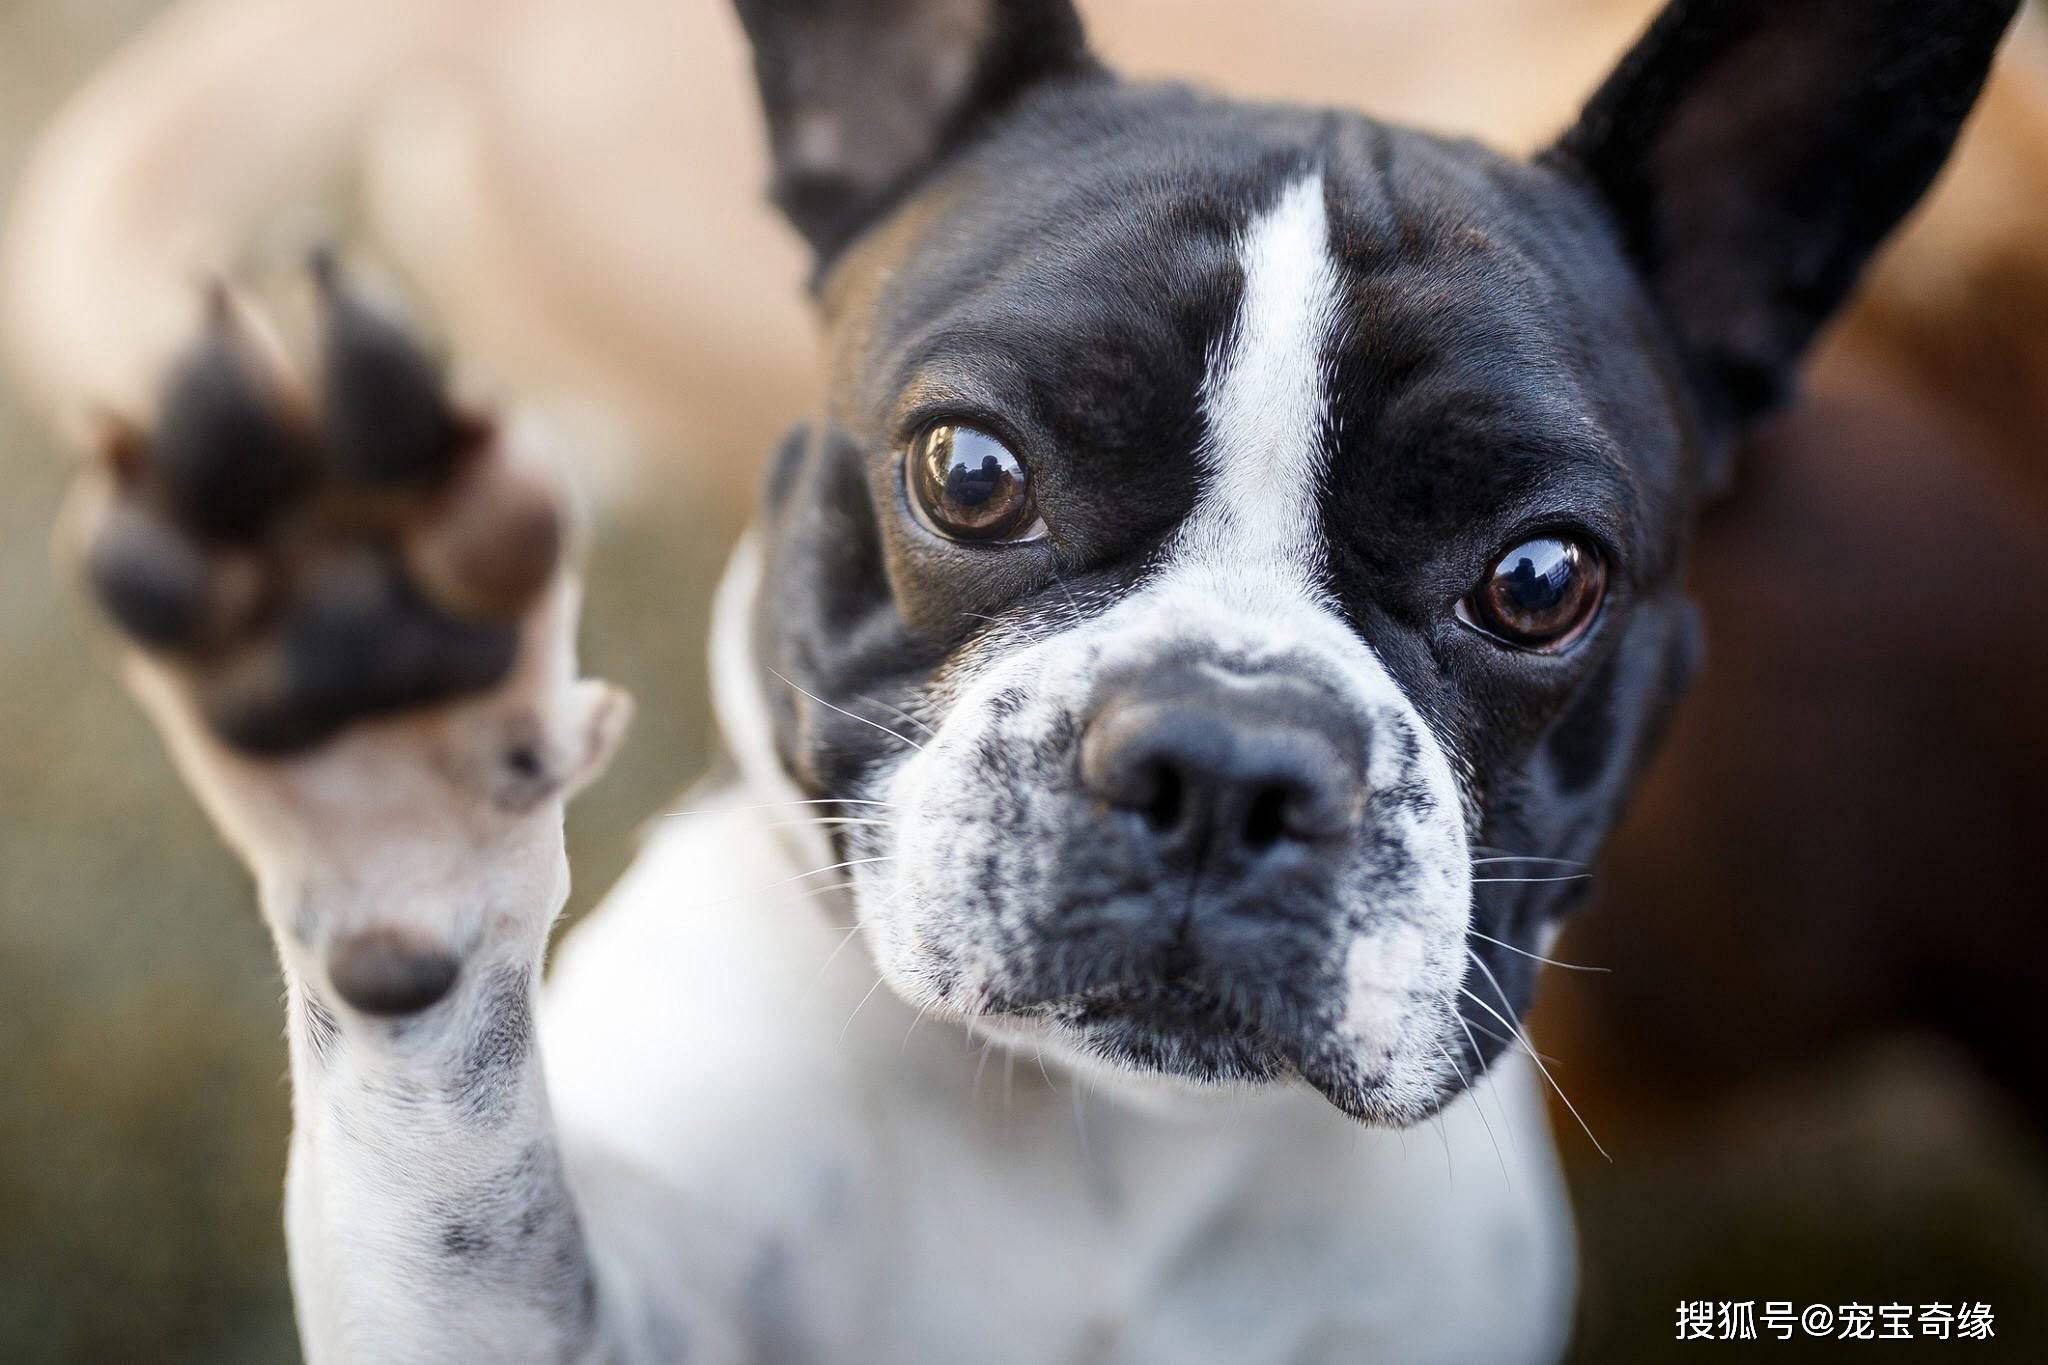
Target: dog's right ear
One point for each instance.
(864, 96)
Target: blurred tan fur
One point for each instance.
(575, 189)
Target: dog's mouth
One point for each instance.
(1186, 1031)
(1179, 1028)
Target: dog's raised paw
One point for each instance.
(305, 560)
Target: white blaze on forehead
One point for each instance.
(1241, 587)
(1264, 400)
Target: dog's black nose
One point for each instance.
(1224, 768)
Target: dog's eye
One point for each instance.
(1539, 596)
(967, 485)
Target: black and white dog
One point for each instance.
(1227, 596)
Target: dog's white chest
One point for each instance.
(871, 1186)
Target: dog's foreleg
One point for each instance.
(409, 871)
(426, 1208)
(346, 614)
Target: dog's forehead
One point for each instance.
(1079, 279)
(1137, 198)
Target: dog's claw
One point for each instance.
(239, 544)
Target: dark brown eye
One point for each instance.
(966, 485)
(1539, 595)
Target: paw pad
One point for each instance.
(227, 453)
(384, 419)
(389, 972)
(307, 565)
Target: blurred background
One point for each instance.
(1817, 1056)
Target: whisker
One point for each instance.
(810, 892)
(1502, 855)
(987, 1046)
(1530, 1052)
(1497, 1036)
(1512, 1044)
(1506, 1119)
(899, 713)
(1081, 1122)
(1530, 881)
(1536, 957)
(915, 1021)
(780, 902)
(828, 820)
(1521, 1039)
(1478, 1109)
(871, 724)
(1518, 858)
(829, 867)
(1072, 605)
(772, 805)
(839, 948)
(1516, 1029)
(857, 1009)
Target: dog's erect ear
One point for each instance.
(1755, 152)
(862, 96)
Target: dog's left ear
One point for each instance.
(863, 96)
(1755, 152)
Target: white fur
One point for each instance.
(1265, 404)
(938, 1204)
(755, 1152)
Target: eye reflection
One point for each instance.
(1540, 595)
(966, 485)
(1540, 578)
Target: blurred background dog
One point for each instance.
(1816, 1055)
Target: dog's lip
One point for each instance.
(1173, 1014)
(1182, 1011)
(1179, 1005)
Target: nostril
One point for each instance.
(1266, 818)
(1169, 795)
